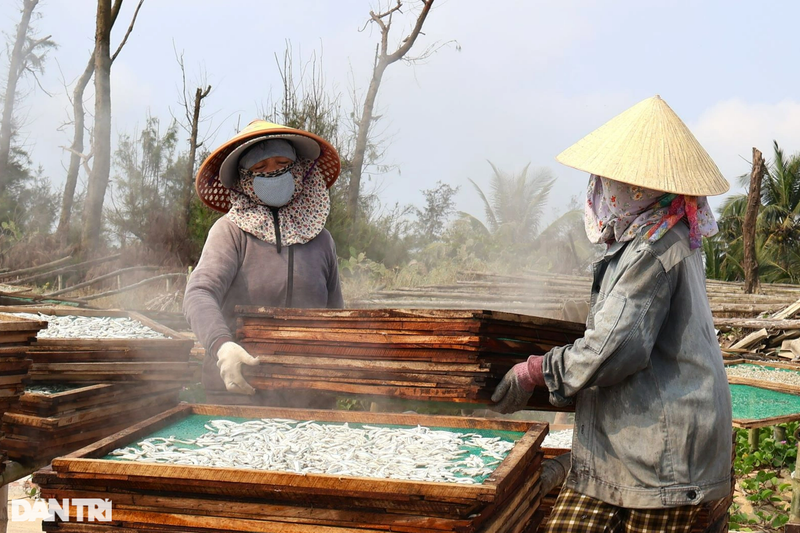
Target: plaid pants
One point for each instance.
(576, 513)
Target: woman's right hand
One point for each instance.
(230, 358)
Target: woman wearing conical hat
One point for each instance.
(270, 249)
(652, 433)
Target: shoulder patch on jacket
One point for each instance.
(675, 254)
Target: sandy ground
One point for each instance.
(16, 491)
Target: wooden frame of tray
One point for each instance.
(88, 462)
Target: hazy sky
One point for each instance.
(530, 78)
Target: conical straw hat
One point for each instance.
(219, 171)
(648, 145)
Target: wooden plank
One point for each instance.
(11, 323)
(765, 384)
(756, 323)
(365, 378)
(746, 423)
(114, 368)
(361, 352)
(752, 339)
(87, 397)
(176, 502)
(339, 363)
(89, 415)
(398, 391)
(788, 312)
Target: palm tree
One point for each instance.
(777, 227)
(514, 213)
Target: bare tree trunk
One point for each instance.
(199, 94)
(750, 221)
(382, 60)
(98, 179)
(79, 116)
(76, 155)
(14, 73)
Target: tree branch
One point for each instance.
(408, 42)
(130, 27)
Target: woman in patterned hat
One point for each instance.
(270, 249)
(652, 436)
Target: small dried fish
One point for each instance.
(92, 327)
(558, 439)
(774, 375)
(309, 447)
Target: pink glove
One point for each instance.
(530, 373)
(516, 388)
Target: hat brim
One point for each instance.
(649, 146)
(305, 148)
(215, 194)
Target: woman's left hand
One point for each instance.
(509, 396)
(516, 388)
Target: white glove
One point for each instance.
(230, 357)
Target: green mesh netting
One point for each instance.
(51, 388)
(193, 426)
(754, 403)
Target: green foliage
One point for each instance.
(432, 218)
(352, 404)
(777, 227)
(515, 209)
(358, 263)
(759, 475)
(147, 181)
(28, 206)
(11, 231)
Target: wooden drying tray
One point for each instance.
(11, 323)
(86, 397)
(175, 340)
(15, 331)
(155, 511)
(408, 316)
(748, 423)
(415, 322)
(324, 489)
(764, 384)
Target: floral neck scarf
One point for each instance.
(616, 212)
(302, 219)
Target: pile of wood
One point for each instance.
(43, 425)
(106, 385)
(545, 294)
(772, 336)
(432, 355)
(162, 498)
(16, 336)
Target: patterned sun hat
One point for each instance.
(220, 169)
(648, 145)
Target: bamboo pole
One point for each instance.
(133, 286)
(103, 277)
(794, 513)
(39, 268)
(69, 268)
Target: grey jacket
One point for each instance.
(653, 407)
(236, 268)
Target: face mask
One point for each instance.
(274, 191)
